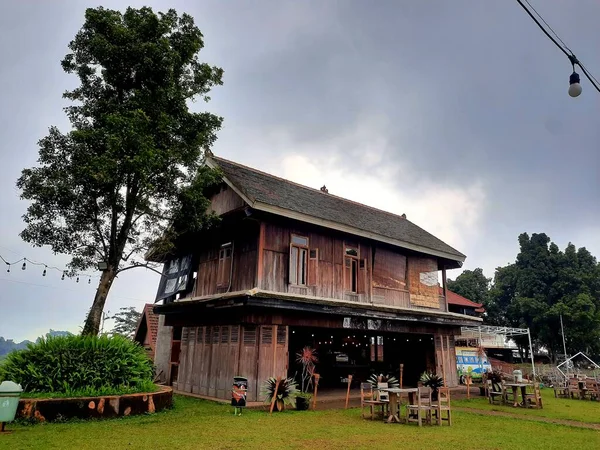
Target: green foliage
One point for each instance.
(432, 380)
(285, 394)
(146, 386)
(129, 171)
(126, 321)
(543, 284)
(76, 364)
(471, 284)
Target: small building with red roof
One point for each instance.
(147, 330)
(461, 305)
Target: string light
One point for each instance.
(24, 262)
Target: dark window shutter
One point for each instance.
(267, 335)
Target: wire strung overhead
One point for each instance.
(64, 273)
(574, 85)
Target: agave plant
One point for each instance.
(389, 379)
(432, 380)
(285, 394)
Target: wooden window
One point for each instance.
(207, 339)
(235, 333)
(224, 268)
(281, 335)
(351, 268)
(224, 335)
(266, 335)
(200, 336)
(249, 335)
(298, 260)
(313, 266)
(215, 335)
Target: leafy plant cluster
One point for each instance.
(285, 392)
(381, 378)
(543, 284)
(80, 365)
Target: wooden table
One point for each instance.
(515, 388)
(394, 405)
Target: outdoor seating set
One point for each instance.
(508, 394)
(579, 388)
(419, 408)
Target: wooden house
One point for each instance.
(290, 266)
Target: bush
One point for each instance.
(79, 364)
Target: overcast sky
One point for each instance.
(453, 112)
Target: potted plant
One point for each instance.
(284, 393)
(389, 379)
(432, 381)
(307, 358)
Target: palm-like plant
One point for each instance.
(389, 379)
(432, 380)
(284, 393)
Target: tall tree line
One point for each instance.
(543, 284)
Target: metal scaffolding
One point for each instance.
(504, 331)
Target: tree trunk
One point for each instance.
(94, 318)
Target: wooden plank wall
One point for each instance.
(212, 355)
(225, 200)
(244, 264)
(445, 355)
(388, 277)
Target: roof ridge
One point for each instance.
(312, 189)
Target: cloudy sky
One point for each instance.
(453, 112)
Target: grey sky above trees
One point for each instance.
(455, 113)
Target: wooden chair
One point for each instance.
(442, 405)
(508, 395)
(573, 388)
(493, 395)
(534, 399)
(591, 389)
(367, 400)
(420, 411)
(561, 390)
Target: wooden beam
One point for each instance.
(260, 255)
(317, 376)
(274, 399)
(445, 287)
(348, 391)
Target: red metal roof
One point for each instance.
(459, 300)
(151, 324)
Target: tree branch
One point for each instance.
(135, 266)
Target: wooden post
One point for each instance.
(317, 376)
(445, 288)
(468, 381)
(348, 391)
(401, 373)
(443, 359)
(274, 399)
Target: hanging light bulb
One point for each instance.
(77, 280)
(8, 270)
(89, 281)
(24, 266)
(574, 85)
(45, 270)
(63, 277)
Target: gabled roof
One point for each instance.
(265, 192)
(149, 321)
(458, 300)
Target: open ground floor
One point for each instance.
(209, 347)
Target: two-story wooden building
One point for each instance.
(291, 266)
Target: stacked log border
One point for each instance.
(52, 409)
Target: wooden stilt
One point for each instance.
(274, 399)
(348, 391)
(401, 373)
(468, 381)
(317, 376)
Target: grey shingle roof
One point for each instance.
(271, 190)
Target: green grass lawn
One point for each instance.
(198, 424)
(554, 408)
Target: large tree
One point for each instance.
(130, 168)
(471, 284)
(126, 321)
(544, 284)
